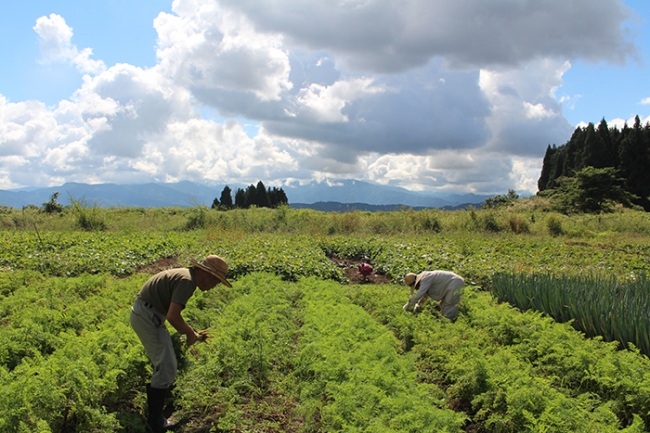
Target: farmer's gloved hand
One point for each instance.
(406, 307)
(417, 308)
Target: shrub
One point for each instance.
(197, 218)
(88, 218)
(554, 225)
(518, 225)
(431, 224)
(53, 206)
(490, 223)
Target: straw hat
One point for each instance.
(214, 265)
(409, 278)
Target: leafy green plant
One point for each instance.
(518, 225)
(490, 223)
(53, 206)
(554, 225)
(248, 358)
(197, 218)
(88, 218)
(79, 360)
(598, 305)
(346, 357)
(293, 349)
(512, 372)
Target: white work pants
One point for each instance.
(150, 328)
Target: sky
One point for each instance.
(455, 96)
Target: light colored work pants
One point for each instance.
(150, 327)
(449, 304)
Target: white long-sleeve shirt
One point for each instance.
(437, 284)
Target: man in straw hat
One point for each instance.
(440, 286)
(162, 298)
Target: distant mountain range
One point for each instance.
(337, 195)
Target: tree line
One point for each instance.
(612, 163)
(253, 195)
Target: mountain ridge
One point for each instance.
(189, 194)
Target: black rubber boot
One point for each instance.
(155, 404)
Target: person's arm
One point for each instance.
(175, 318)
(420, 303)
(422, 290)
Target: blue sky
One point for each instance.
(118, 31)
(612, 91)
(444, 95)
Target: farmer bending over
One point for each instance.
(163, 297)
(440, 286)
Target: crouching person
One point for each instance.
(162, 298)
(440, 286)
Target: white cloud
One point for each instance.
(55, 44)
(327, 102)
(130, 106)
(526, 117)
(620, 123)
(208, 49)
(452, 95)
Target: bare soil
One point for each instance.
(351, 268)
(159, 265)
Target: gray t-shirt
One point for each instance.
(174, 285)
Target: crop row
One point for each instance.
(513, 372)
(479, 258)
(307, 356)
(76, 253)
(290, 352)
(301, 356)
(597, 305)
(282, 356)
(68, 358)
(476, 258)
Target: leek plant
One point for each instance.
(598, 305)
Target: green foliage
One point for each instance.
(432, 224)
(598, 305)
(501, 200)
(53, 206)
(489, 223)
(522, 217)
(197, 218)
(248, 359)
(518, 224)
(554, 225)
(293, 349)
(591, 190)
(616, 151)
(305, 342)
(346, 357)
(75, 253)
(288, 257)
(88, 218)
(68, 358)
(514, 372)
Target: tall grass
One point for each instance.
(89, 218)
(598, 305)
(521, 219)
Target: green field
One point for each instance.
(297, 347)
